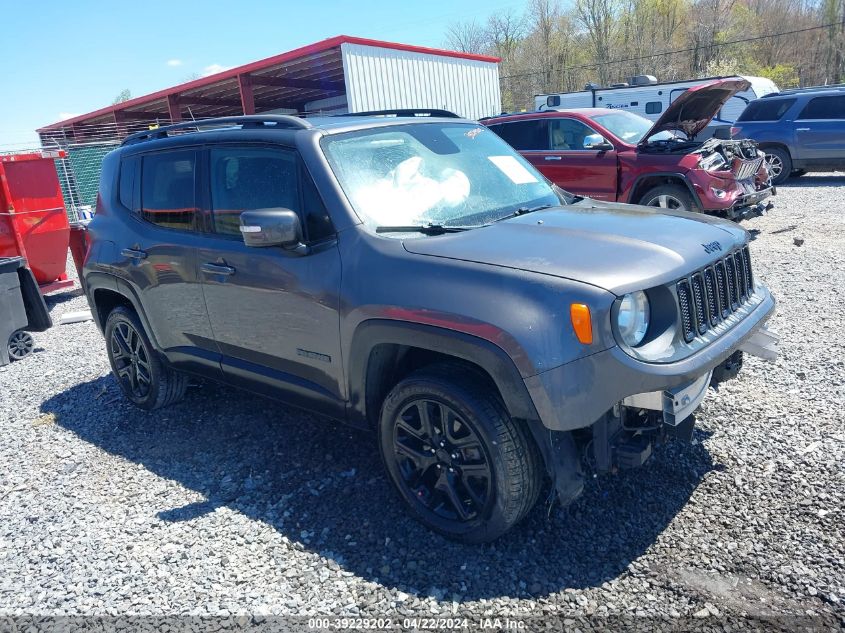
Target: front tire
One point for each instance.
(144, 379)
(461, 465)
(671, 197)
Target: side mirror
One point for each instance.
(723, 133)
(597, 142)
(273, 227)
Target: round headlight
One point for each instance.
(633, 318)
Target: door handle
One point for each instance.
(802, 129)
(552, 158)
(217, 269)
(133, 253)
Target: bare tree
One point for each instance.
(467, 37)
(599, 17)
(557, 47)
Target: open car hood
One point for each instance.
(695, 108)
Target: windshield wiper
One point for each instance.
(425, 229)
(524, 210)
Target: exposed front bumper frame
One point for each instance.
(677, 403)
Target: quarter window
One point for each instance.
(126, 185)
(824, 108)
(525, 135)
(167, 189)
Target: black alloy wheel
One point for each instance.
(462, 466)
(131, 360)
(143, 375)
(442, 461)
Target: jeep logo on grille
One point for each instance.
(712, 247)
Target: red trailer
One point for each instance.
(33, 221)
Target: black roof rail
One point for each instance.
(501, 114)
(279, 121)
(407, 112)
(792, 91)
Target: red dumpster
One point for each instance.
(33, 221)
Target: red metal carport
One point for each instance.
(289, 80)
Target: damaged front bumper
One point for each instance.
(576, 394)
(610, 410)
(626, 435)
(751, 203)
(678, 403)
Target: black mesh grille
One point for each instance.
(722, 289)
(712, 298)
(685, 302)
(698, 302)
(730, 275)
(749, 280)
(739, 258)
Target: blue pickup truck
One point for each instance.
(799, 130)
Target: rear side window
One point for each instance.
(766, 110)
(167, 189)
(525, 135)
(824, 108)
(654, 107)
(248, 178)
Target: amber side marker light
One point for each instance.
(581, 322)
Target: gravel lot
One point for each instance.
(229, 504)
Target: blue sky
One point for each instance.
(65, 58)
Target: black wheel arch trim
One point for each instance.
(664, 174)
(776, 144)
(486, 355)
(104, 281)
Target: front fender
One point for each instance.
(488, 356)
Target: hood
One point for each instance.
(617, 247)
(695, 108)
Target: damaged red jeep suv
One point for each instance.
(615, 155)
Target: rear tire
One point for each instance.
(779, 162)
(143, 377)
(462, 466)
(671, 197)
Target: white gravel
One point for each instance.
(228, 504)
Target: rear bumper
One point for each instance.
(576, 394)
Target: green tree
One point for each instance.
(123, 95)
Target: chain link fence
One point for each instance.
(79, 177)
(84, 148)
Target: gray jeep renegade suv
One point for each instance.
(416, 276)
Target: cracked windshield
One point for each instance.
(444, 174)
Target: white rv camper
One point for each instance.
(643, 95)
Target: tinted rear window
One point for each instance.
(525, 135)
(766, 110)
(824, 108)
(167, 189)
